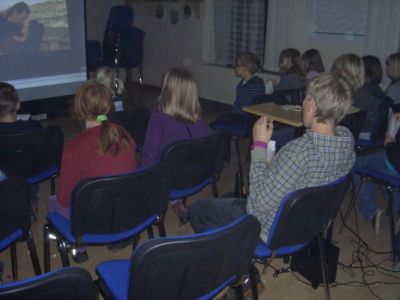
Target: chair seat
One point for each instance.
(43, 176)
(235, 129)
(63, 226)
(262, 250)
(179, 194)
(393, 181)
(115, 274)
(6, 242)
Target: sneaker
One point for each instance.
(79, 256)
(377, 220)
(120, 245)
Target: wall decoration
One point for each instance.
(159, 10)
(187, 11)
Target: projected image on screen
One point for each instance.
(33, 25)
(42, 46)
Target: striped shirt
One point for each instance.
(247, 92)
(310, 160)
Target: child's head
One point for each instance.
(179, 97)
(351, 67)
(289, 61)
(108, 77)
(312, 61)
(9, 101)
(248, 61)
(373, 69)
(333, 96)
(91, 100)
(393, 66)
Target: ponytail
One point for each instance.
(113, 139)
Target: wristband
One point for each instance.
(259, 144)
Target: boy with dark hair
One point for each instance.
(322, 155)
(9, 105)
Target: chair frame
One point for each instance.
(24, 233)
(282, 244)
(111, 230)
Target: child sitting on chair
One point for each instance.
(9, 106)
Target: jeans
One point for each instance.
(366, 198)
(216, 212)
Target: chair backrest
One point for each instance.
(114, 204)
(27, 154)
(289, 97)
(355, 122)
(70, 283)
(191, 162)
(379, 117)
(304, 213)
(15, 206)
(189, 267)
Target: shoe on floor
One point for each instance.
(120, 245)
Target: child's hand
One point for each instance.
(262, 130)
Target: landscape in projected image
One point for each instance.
(33, 25)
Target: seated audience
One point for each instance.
(292, 76)
(372, 93)
(322, 155)
(393, 72)
(312, 64)
(101, 149)
(178, 118)
(9, 106)
(387, 161)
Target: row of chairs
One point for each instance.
(200, 266)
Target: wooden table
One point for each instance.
(282, 114)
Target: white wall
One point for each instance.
(168, 45)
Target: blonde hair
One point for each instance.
(249, 61)
(351, 67)
(179, 97)
(290, 62)
(91, 100)
(108, 77)
(333, 96)
(393, 66)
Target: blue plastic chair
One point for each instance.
(194, 164)
(15, 221)
(303, 215)
(197, 266)
(71, 283)
(107, 210)
(389, 183)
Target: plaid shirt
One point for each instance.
(310, 160)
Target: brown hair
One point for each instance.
(373, 69)
(393, 66)
(8, 99)
(91, 100)
(312, 61)
(179, 97)
(333, 96)
(289, 62)
(249, 61)
(351, 67)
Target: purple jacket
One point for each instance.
(163, 130)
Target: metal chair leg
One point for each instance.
(140, 75)
(150, 232)
(161, 226)
(351, 205)
(46, 248)
(32, 251)
(14, 262)
(392, 213)
(253, 282)
(63, 253)
(53, 185)
(239, 292)
(214, 188)
(324, 267)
